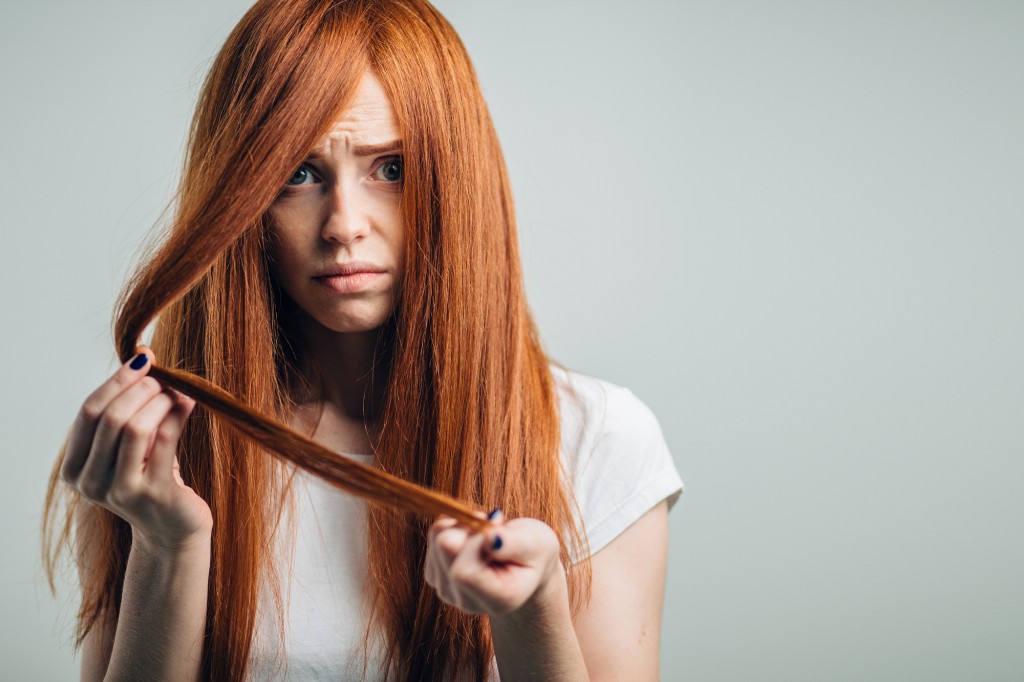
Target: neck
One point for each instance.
(340, 369)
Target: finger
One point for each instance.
(447, 546)
(84, 427)
(443, 522)
(472, 557)
(470, 572)
(437, 559)
(163, 457)
(98, 472)
(137, 439)
(521, 541)
(449, 543)
(436, 563)
(430, 573)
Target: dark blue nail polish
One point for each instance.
(496, 545)
(494, 512)
(138, 361)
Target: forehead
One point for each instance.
(369, 119)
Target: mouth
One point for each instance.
(351, 268)
(355, 276)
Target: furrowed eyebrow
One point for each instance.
(372, 149)
(365, 149)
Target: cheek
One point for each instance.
(283, 247)
(289, 261)
(397, 238)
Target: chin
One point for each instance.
(353, 328)
(353, 316)
(353, 322)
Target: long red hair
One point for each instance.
(470, 409)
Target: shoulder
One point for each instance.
(614, 453)
(601, 408)
(595, 413)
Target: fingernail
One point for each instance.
(494, 513)
(138, 361)
(496, 545)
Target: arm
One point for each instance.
(537, 642)
(619, 631)
(121, 455)
(159, 633)
(522, 587)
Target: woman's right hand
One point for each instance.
(122, 455)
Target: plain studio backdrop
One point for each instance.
(794, 229)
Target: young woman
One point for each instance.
(344, 259)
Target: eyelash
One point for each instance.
(401, 166)
(385, 161)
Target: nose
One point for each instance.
(347, 219)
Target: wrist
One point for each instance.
(537, 640)
(195, 544)
(549, 604)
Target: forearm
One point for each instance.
(162, 619)
(537, 642)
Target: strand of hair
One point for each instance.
(349, 475)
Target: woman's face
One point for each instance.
(337, 239)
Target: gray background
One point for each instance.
(793, 228)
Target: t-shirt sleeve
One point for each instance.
(626, 471)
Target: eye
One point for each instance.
(390, 170)
(301, 174)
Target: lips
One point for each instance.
(350, 268)
(352, 277)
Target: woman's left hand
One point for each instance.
(495, 572)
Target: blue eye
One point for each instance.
(299, 176)
(391, 169)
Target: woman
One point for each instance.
(344, 257)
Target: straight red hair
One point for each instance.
(470, 416)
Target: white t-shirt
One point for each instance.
(613, 451)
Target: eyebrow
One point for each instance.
(365, 149)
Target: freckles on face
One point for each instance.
(336, 242)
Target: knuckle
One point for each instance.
(91, 410)
(115, 497)
(449, 544)
(123, 378)
(163, 438)
(134, 430)
(65, 468)
(151, 384)
(91, 489)
(114, 419)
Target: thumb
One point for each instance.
(143, 348)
